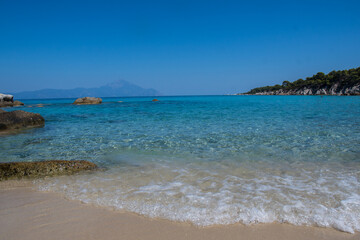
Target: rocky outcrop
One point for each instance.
(11, 104)
(7, 100)
(17, 120)
(18, 103)
(87, 100)
(342, 82)
(333, 90)
(16, 170)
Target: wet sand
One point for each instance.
(29, 214)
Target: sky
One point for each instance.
(177, 47)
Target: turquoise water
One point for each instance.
(207, 159)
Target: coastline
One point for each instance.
(319, 95)
(44, 215)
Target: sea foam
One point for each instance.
(225, 192)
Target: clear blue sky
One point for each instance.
(176, 47)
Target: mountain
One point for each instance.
(119, 88)
(345, 82)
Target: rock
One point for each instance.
(19, 119)
(155, 100)
(18, 103)
(6, 104)
(42, 169)
(88, 100)
(7, 100)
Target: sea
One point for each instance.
(206, 160)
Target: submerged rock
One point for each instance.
(88, 100)
(42, 169)
(6, 104)
(155, 100)
(19, 119)
(18, 103)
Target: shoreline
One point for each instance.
(25, 211)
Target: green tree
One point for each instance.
(286, 83)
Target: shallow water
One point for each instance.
(208, 160)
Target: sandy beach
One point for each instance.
(174, 120)
(29, 214)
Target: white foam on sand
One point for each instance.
(227, 192)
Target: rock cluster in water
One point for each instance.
(16, 170)
(7, 100)
(17, 120)
(88, 100)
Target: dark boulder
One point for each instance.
(19, 119)
(16, 170)
(87, 100)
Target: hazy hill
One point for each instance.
(119, 88)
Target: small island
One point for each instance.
(345, 82)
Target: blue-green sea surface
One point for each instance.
(206, 159)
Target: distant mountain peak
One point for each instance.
(119, 88)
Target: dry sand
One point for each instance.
(29, 214)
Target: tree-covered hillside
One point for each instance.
(344, 78)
